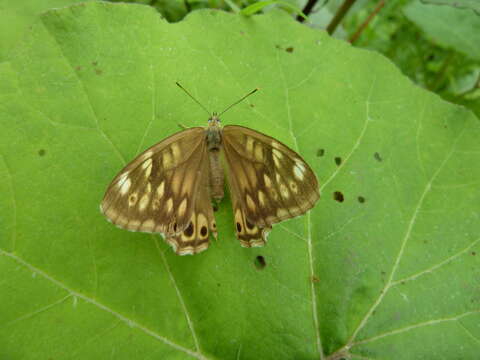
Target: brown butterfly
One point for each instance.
(168, 188)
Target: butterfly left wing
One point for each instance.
(163, 190)
(269, 182)
(153, 192)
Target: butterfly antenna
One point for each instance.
(243, 98)
(198, 102)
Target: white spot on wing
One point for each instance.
(275, 144)
(299, 170)
(143, 202)
(284, 191)
(261, 197)
(169, 205)
(125, 186)
(250, 203)
(122, 178)
(176, 151)
(276, 161)
(147, 163)
(277, 153)
(147, 166)
(249, 145)
(259, 152)
(266, 179)
(161, 190)
(147, 155)
(148, 225)
(183, 207)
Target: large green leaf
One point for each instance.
(16, 16)
(461, 4)
(451, 27)
(392, 271)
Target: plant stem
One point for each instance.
(440, 78)
(307, 9)
(342, 11)
(362, 27)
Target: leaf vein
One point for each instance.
(179, 295)
(14, 202)
(416, 326)
(307, 221)
(130, 322)
(38, 311)
(436, 266)
(87, 96)
(405, 239)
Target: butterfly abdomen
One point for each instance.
(214, 143)
(217, 177)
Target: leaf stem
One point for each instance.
(307, 9)
(342, 11)
(440, 78)
(362, 27)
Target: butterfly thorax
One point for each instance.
(214, 136)
(214, 143)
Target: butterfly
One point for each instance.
(169, 188)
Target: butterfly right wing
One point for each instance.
(156, 191)
(268, 182)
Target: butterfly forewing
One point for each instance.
(156, 192)
(269, 182)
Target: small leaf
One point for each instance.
(451, 27)
(260, 5)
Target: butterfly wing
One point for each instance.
(249, 234)
(158, 191)
(268, 181)
(194, 238)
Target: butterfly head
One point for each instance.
(214, 121)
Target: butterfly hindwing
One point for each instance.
(249, 234)
(195, 237)
(155, 192)
(270, 182)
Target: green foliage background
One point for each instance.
(391, 272)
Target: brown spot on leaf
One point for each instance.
(260, 262)
(338, 196)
